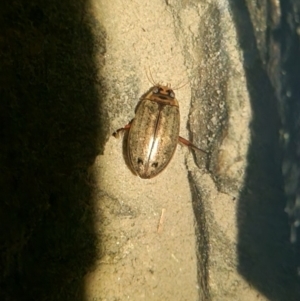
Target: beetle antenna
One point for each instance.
(153, 81)
(177, 88)
(150, 79)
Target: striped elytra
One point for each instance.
(154, 133)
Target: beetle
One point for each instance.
(154, 132)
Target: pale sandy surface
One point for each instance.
(76, 223)
(136, 261)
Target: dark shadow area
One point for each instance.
(266, 257)
(287, 36)
(202, 240)
(51, 133)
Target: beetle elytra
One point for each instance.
(154, 132)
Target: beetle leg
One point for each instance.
(125, 128)
(190, 144)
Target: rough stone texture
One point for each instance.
(276, 28)
(215, 206)
(77, 224)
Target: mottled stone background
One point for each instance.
(76, 224)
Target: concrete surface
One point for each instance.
(203, 201)
(77, 224)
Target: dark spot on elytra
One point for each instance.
(140, 161)
(155, 164)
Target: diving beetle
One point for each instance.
(154, 132)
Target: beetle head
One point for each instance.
(163, 92)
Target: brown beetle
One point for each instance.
(154, 132)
